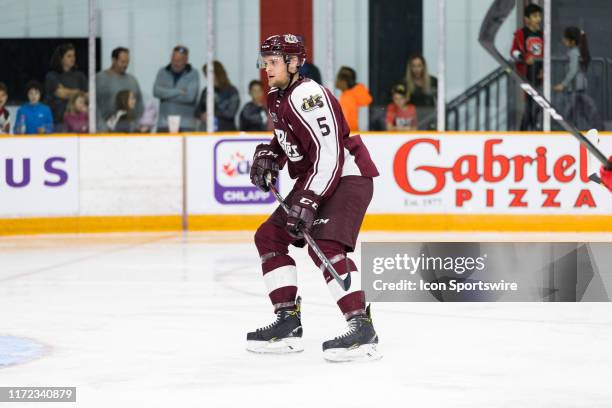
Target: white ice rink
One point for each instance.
(160, 320)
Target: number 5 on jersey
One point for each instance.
(323, 126)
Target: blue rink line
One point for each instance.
(17, 350)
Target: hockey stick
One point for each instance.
(344, 283)
(497, 14)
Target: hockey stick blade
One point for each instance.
(495, 17)
(344, 283)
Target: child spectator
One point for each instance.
(528, 52)
(124, 119)
(5, 122)
(76, 118)
(33, 117)
(354, 96)
(401, 115)
(254, 116)
(578, 106)
(148, 120)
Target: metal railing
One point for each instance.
(492, 102)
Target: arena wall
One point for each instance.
(483, 181)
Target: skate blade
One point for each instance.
(282, 346)
(363, 353)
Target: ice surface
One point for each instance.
(160, 320)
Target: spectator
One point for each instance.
(63, 81)
(177, 85)
(123, 119)
(254, 116)
(113, 80)
(578, 107)
(148, 120)
(401, 115)
(76, 118)
(227, 100)
(5, 117)
(354, 96)
(34, 117)
(422, 87)
(528, 51)
(309, 70)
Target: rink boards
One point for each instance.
(428, 181)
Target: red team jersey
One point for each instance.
(312, 137)
(529, 44)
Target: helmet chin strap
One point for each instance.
(291, 76)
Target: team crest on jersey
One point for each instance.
(273, 116)
(312, 102)
(290, 150)
(535, 46)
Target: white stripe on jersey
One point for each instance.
(328, 149)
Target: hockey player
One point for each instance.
(329, 199)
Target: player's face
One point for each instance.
(276, 71)
(3, 98)
(33, 96)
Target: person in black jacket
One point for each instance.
(62, 82)
(254, 117)
(227, 101)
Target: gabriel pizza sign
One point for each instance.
(545, 172)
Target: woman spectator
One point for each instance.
(401, 115)
(421, 86)
(227, 101)
(76, 118)
(34, 117)
(124, 119)
(578, 106)
(63, 81)
(254, 116)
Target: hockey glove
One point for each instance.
(304, 206)
(606, 176)
(264, 163)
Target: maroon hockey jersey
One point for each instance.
(312, 137)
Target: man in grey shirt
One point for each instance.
(177, 86)
(110, 82)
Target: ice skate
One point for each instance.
(281, 337)
(359, 343)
